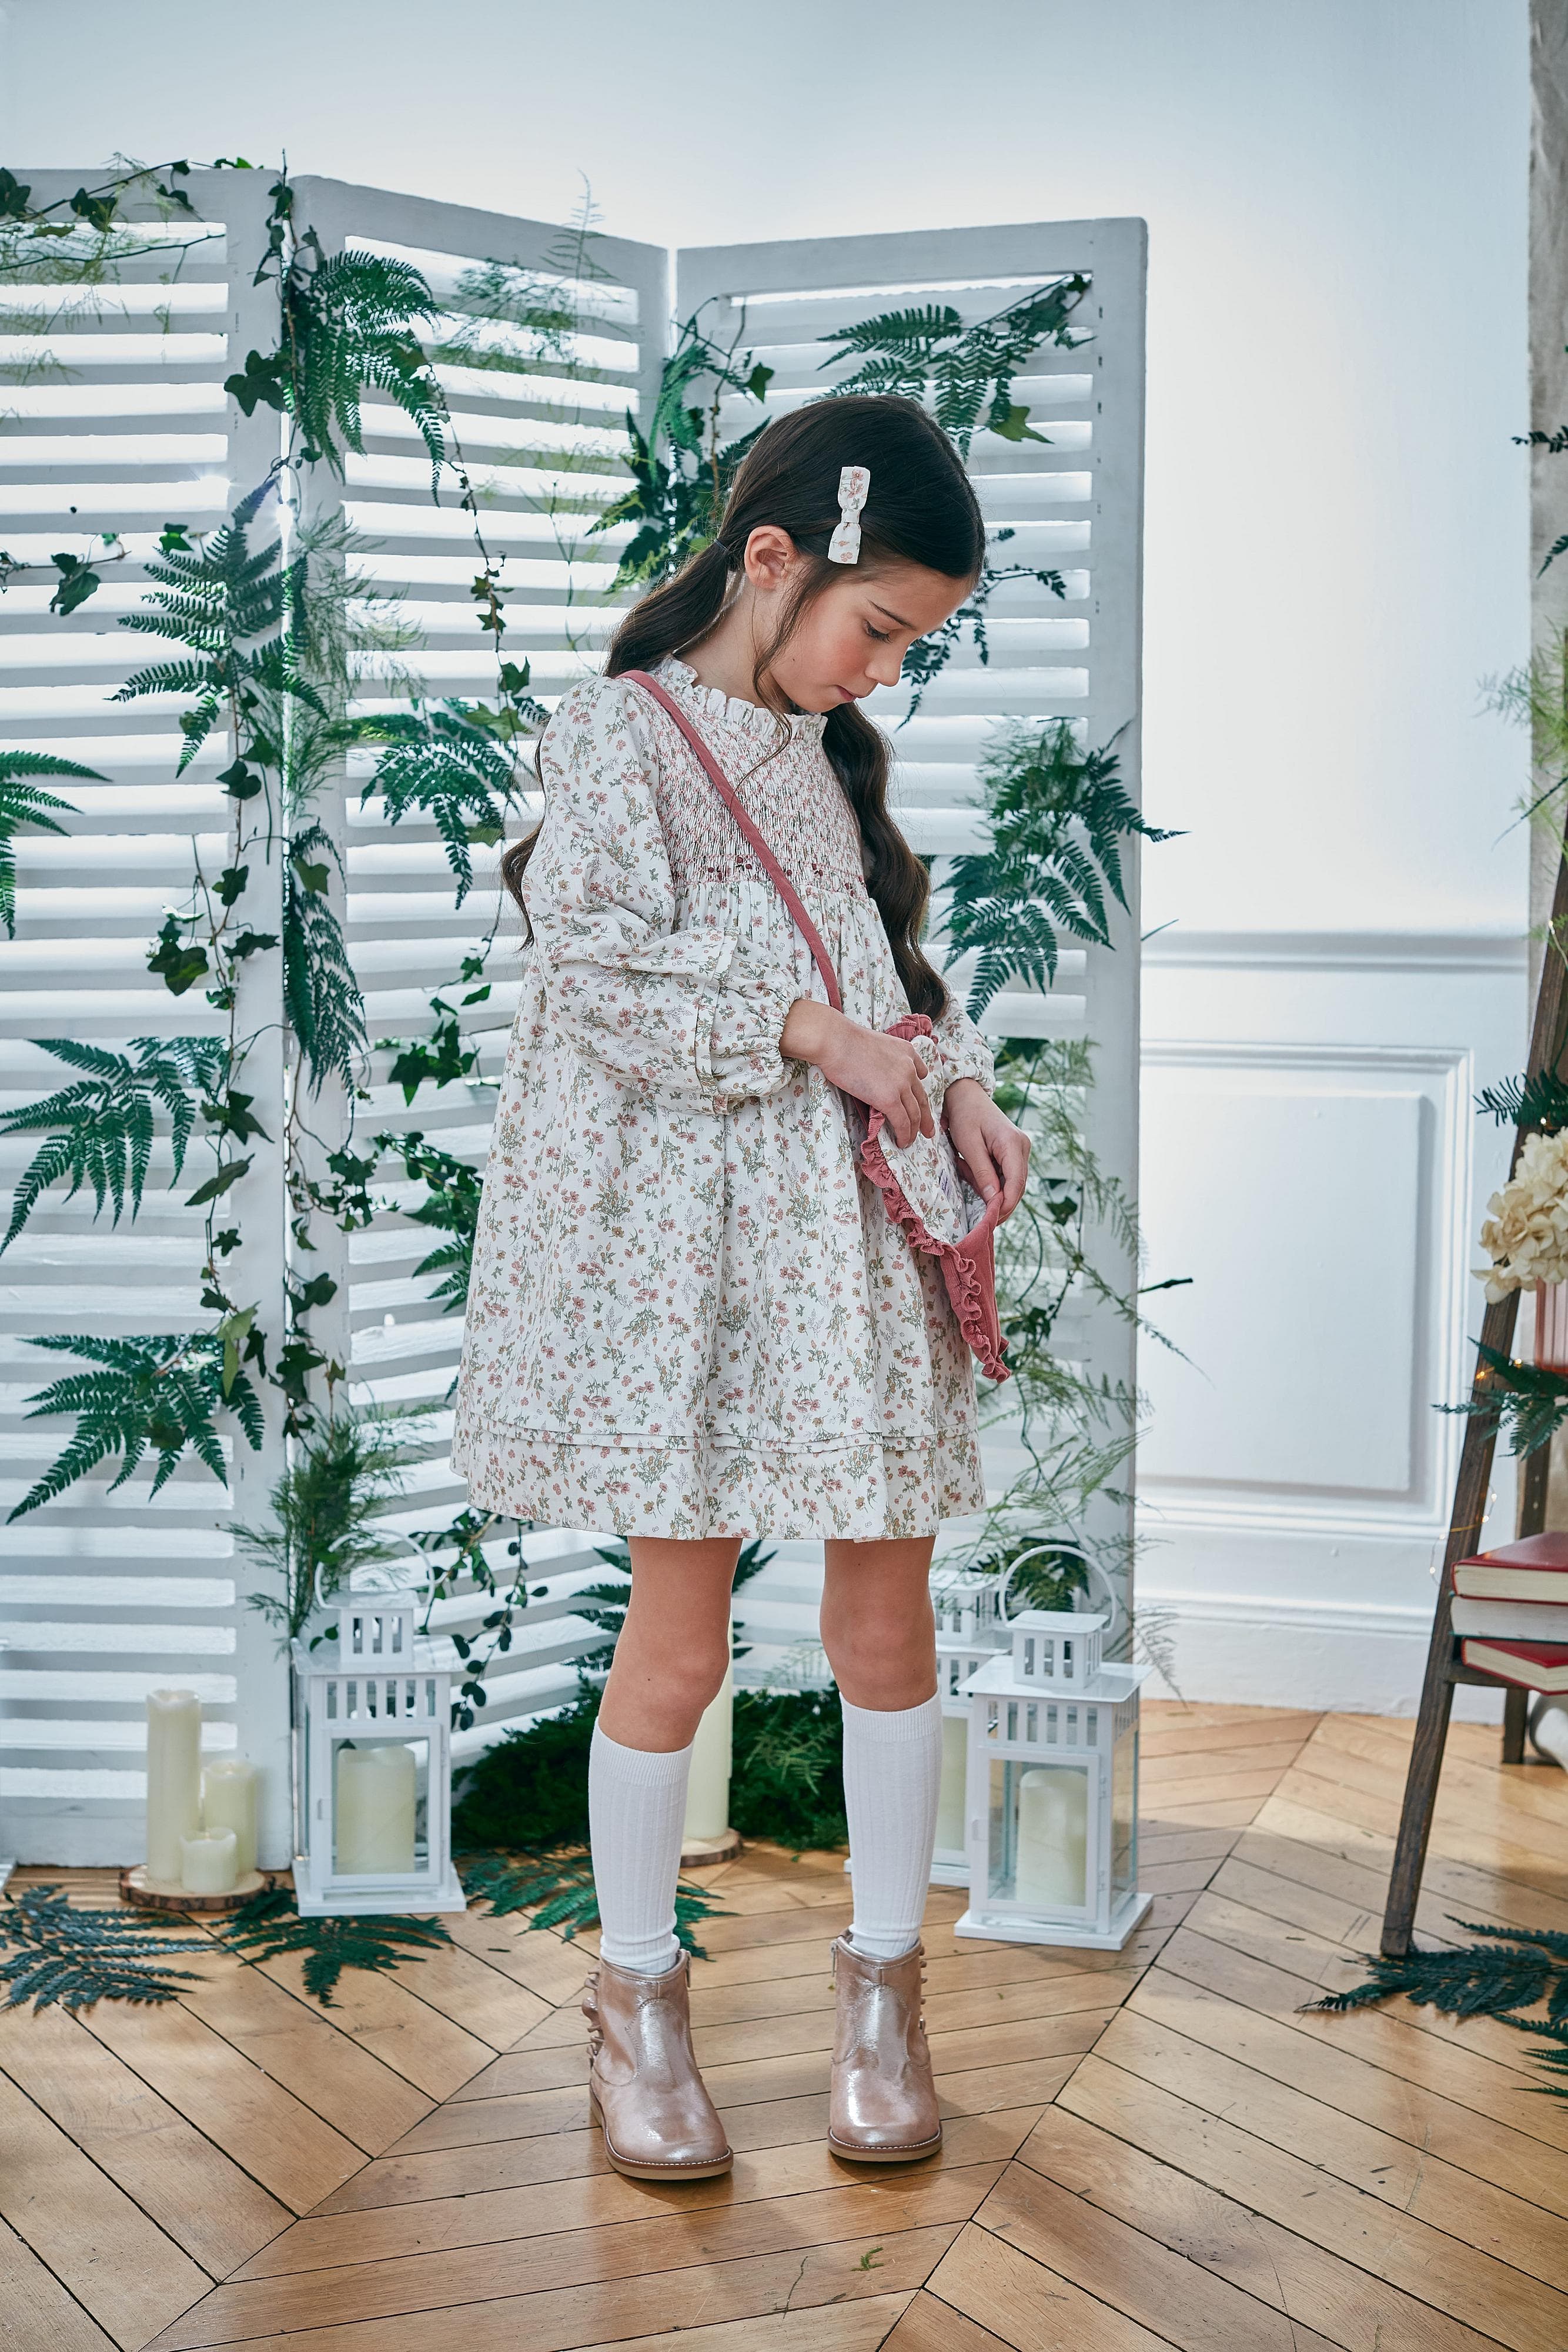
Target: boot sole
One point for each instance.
(911, 2155)
(657, 2171)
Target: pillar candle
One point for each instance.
(173, 1779)
(707, 1789)
(207, 1863)
(950, 1832)
(228, 1803)
(375, 1808)
(1053, 1837)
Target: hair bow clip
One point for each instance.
(844, 547)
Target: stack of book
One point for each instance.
(1511, 1612)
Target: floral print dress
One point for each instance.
(690, 1315)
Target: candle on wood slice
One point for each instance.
(707, 1789)
(228, 1803)
(173, 1779)
(375, 1808)
(207, 1863)
(1053, 1837)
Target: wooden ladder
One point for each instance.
(1444, 1667)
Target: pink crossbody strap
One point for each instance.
(764, 857)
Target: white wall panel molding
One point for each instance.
(1311, 1158)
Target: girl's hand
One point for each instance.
(992, 1149)
(886, 1073)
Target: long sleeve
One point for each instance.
(964, 1053)
(694, 1015)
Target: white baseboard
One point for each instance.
(1245, 1651)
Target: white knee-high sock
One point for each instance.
(636, 1809)
(892, 1778)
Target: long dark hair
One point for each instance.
(922, 509)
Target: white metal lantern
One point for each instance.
(1052, 1788)
(970, 1628)
(375, 1795)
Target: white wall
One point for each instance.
(1335, 192)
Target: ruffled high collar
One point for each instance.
(729, 711)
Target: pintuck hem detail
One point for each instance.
(863, 1489)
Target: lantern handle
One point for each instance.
(422, 1590)
(1091, 1567)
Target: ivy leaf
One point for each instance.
(1013, 423)
(180, 962)
(97, 211)
(260, 383)
(216, 1186)
(13, 197)
(172, 541)
(240, 781)
(78, 581)
(249, 943)
(230, 883)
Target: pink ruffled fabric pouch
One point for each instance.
(924, 1184)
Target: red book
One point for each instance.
(1536, 1569)
(1535, 1666)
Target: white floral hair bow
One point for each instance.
(844, 547)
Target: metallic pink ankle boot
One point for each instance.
(883, 2108)
(659, 2123)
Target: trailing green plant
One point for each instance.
(681, 468)
(1528, 1403)
(1058, 817)
(348, 322)
(24, 801)
(268, 1928)
(156, 1393)
(1512, 1969)
(787, 1780)
(451, 1206)
(99, 1132)
(519, 1827)
(51, 1953)
(323, 1512)
(928, 354)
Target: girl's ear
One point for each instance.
(771, 556)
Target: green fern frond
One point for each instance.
(433, 759)
(321, 995)
(451, 1206)
(155, 1393)
(268, 1928)
(56, 1954)
(1539, 1102)
(1510, 1971)
(101, 1130)
(324, 1514)
(1058, 817)
(557, 1890)
(21, 801)
(963, 374)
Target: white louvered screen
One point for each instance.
(102, 1596)
(542, 430)
(119, 423)
(1075, 506)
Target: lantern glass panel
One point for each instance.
(1039, 1837)
(1124, 1809)
(380, 1809)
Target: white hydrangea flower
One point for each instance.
(1526, 1232)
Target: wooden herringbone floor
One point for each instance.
(1147, 2149)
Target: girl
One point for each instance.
(691, 1320)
